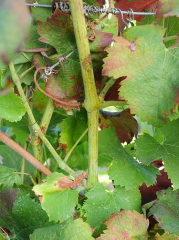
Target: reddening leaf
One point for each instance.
(8, 178)
(14, 24)
(7, 199)
(100, 204)
(149, 193)
(58, 32)
(148, 66)
(163, 145)
(12, 108)
(67, 83)
(167, 8)
(166, 236)
(97, 49)
(125, 225)
(125, 5)
(71, 230)
(59, 204)
(125, 124)
(166, 210)
(113, 92)
(124, 170)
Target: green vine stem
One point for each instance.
(91, 103)
(36, 128)
(27, 71)
(36, 141)
(108, 85)
(113, 103)
(9, 142)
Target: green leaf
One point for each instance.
(27, 216)
(14, 160)
(101, 204)
(165, 210)
(12, 108)
(166, 236)
(59, 204)
(124, 170)
(14, 24)
(147, 64)
(163, 146)
(8, 178)
(167, 8)
(72, 128)
(58, 32)
(125, 225)
(7, 199)
(110, 25)
(42, 13)
(70, 230)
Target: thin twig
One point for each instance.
(113, 103)
(9, 142)
(37, 49)
(73, 105)
(71, 150)
(27, 71)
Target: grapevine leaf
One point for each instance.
(12, 108)
(66, 85)
(79, 157)
(166, 210)
(171, 24)
(164, 146)
(2, 237)
(166, 236)
(149, 193)
(167, 8)
(70, 230)
(8, 178)
(125, 225)
(113, 92)
(101, 204)
(13, 159)
(72, 128)
(125, 124)
(124, 170)
(14, 24)
(59, 204)
(145, 5)
(27, 216)
(42, 13)
(146, 62)
(58, 32)
(7, 199)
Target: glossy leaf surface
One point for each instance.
(70, 230)
(124, 170)
(163, 146)
(101, 204)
